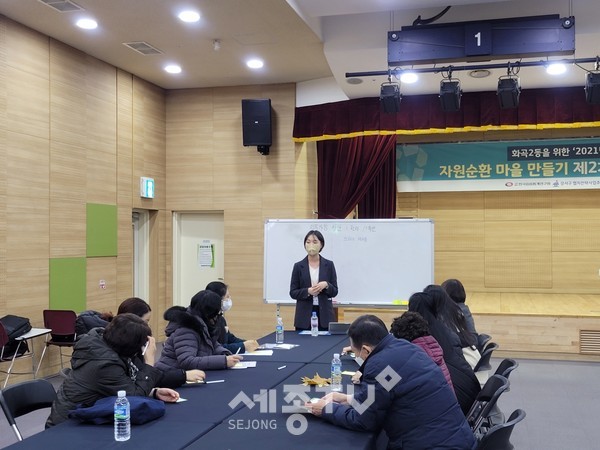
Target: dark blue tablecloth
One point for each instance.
(247, 396)
(309, 347)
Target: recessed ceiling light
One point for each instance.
(479, 73)
(354, 80)
(556, 68)
(87, 24)
(173, 68)
(409, 77)
(255, 63)
(189, 16)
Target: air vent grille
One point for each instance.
(143, 47)
(62, 5)
(589, 342)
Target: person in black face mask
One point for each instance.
(192, 336)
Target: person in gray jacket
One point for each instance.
(192, 336)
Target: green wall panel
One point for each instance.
(68, 284)
(101, 230)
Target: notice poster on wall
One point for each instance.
(206, 254)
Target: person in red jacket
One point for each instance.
(412, 327)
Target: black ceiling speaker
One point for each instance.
(390, 98)
(509, 90)
(256, 124)
(450, 94)
(592, 88)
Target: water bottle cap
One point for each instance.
(336, 355)
(314, 313)
(121, 394)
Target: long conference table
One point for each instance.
(250, 408)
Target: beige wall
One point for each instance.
(521, 241)
(208, 169)
(73, 130)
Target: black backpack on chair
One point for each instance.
(15, 326)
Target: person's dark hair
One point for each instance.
(447, 311)
(126, 334)
(410, 326)
(367, 330)
(318, 235)
(455, 290)
(218, 287)
(207, 305)
(134, 305)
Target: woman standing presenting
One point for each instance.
(314, 283)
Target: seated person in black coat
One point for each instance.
(229, 340)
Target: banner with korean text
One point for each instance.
(499, 166)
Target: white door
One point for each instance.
(141, 236)
(198, 253)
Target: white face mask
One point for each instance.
(227, 304)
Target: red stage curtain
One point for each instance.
(538, 108)
(379, 201)
(347, 168)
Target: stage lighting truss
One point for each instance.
(450, 93)
(390, 96)
(509, 88)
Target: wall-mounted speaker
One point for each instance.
(256, 124)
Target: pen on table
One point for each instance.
(238, 350)
(282, 367)
(215, 381)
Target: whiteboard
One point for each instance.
(378, 261)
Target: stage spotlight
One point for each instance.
(592, 88)
(450, 94)
(509, 90)
(390, 98)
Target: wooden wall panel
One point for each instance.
(407, 204)
(576, 271)
(515, 269)
(522, 205)
(465, 266)
(27, 189)
(439, 206)
(149, 141)
(458, 236)
(67, 201)
(581, 235)
(305, 176)
(525, 236)
(571, 206)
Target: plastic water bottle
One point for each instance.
(314, 324)
(122, 418)
(336, 373)
(279, 331)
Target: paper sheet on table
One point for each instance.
(321, 333)
(244, 365)
(347, 372)
(279, 346)
(260, 353)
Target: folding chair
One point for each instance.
(482, 340)
(486, 400)
(486, 355)
(23, 398)
(506, 367)
(62, 324)
(12, 357)
(498, 437)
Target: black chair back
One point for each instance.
(498, 437)
(486, 400)
(506, 367)
(23, 398)
(484, 362)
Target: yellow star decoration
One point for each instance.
(317, 380)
